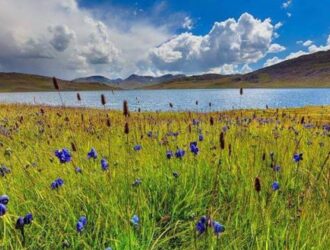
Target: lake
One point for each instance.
(182, 100)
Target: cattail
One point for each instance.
(229, 149)
(108, 122)
(264, 156)
(103, 100)
(222, 140)
(241, 91)
(56, 86)
(210, 104)
(42, 111)
(302, 120)
(78, 97)
(257, 184)
(189, 128)
(196, 102)
(73, 146)
(139, 110)
(266, 106)
(82, 117)
(125, 109)
(211, 121)
(126, 129)
(171, 105)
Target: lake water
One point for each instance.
(182, 100)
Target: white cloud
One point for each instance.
(62, 36)
(230, 42)
(286, 4)
(275, 48)
(246, 69)
(278, 25)
(307, 43)
(187, 23)
(311, 49)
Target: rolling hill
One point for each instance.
(308, 71)
(17, 82)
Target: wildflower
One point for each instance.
(201, 137)
(78, 170)
(4, 199)
(3, 209)
(92, 154)
(169, 154)
(137, 182)
(298, 157)
(57, 183)
(176, 174)
(277, 168)
(81, 223)
(149, 134)
(195, 122)
(4, 170)
(275, 186)
(63, 155)
(137, 147)
(28, 219)
(218, 228)
(104, 164)
(193, 147)
(135, 220)
(20, 223)
(201, 224)
(179, 153)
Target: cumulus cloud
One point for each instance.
(62, 36)
(312, 48)
(230, 42)
(275, 48)
(287, 4)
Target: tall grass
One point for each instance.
(229, 180)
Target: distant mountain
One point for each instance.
(18, 82)
(89, 79)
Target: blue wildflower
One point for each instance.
(135, 220)
(83, 220)
(81, 224)
(179, 153)
(63, 155)
(277, 168)
(92, 154)
(169, 154)
(4, 199)
(28, 219)
(201, 224)
(193, 147)
(195, 122)
(78, 170)
(137, 147)
(104, 164)
(4, 170)
(275, 186)
(57, 183)
(3, 209)
(218, 228)
(201, 137)
(137, 182)
(20, 223)
(298, 157)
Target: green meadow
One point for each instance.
(230, 180)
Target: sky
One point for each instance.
(75, 38)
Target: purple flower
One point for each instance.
(104, 164)
(298, 157)
(135, 220)
(78, 170)
(218, 228)
(201, 137)
(28, 219)
(169, 154)
(63, 155)
(57, 183)
(275, 186)
(4, 199)
(149, 134)
(81, 224)
(201, 224)
(277, 168)
(92, 154)
(137, 147)
(20, 223)
(193, 147)
(3, 209)
(195, 122)
(179, 153)
(137, 182)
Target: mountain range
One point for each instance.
(311, 71)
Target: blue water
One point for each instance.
(182, 100)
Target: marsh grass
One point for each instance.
(218, 182)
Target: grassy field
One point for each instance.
(243, 177)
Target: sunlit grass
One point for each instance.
(218, 183)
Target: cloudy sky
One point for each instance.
(115, 38)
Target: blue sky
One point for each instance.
(71, 38)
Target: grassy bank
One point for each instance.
(230, 180)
